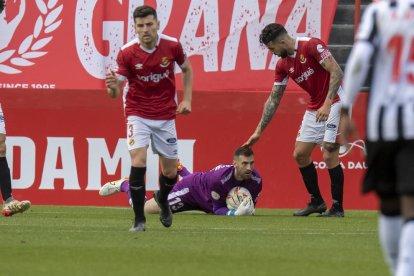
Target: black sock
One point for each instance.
(337, 185)
(310, 177)
(166, 185)
(137, 189)
(5, 179)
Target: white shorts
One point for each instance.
(2, 124)
(318, 132)
(161, 133)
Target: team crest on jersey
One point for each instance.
(215, 195)
(165, 62)
(291, 70)
(34, 43)
(302, 58)
(139, 66)
(131, 141)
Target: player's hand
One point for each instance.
(246, 208)
(323, 113)
(111, 82)
(347, 129)
(252, 140)
(184, 107)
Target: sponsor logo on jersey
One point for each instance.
(154, 77)
(165, 62)
(131, 141)
(172, 140)
(215, 195)
(330, 126)
(139, 66)
(302, 58)
(305, 75)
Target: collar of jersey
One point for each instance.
(150, 51)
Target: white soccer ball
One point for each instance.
(236, 196)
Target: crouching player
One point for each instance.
(206, 191)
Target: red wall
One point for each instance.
(219, 123)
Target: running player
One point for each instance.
(147, 63)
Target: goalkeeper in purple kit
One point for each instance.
(206, 191)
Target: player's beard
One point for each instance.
(283, 54)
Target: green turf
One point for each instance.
(50, 240)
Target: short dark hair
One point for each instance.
(271, 32)
(245, 151)
(144, 11)
(2, 5)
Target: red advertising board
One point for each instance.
(63, 145)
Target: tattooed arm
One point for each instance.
(335, 81)
(269, 110)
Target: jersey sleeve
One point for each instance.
(180, 55)
(281, 77)
(367, 30)
(218, 195)
(122, 69)
(255, 193)
(318, 50)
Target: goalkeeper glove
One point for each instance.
(246, 208)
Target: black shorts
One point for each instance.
(390, 170)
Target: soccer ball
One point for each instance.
(236, 196)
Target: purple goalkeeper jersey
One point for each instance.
(207, 191)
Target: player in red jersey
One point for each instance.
(148, 64)
(310, 64)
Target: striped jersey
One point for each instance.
(386, 34)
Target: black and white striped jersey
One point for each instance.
(386, 34)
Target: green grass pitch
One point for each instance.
(52, 240)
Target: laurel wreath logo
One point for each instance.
(30, 48)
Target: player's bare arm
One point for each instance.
(269, 110)
(185, 106)
(336, 76)
(113, 84)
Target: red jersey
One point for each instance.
(305, 68)
(150, 92)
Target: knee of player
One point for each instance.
(331, 148)
(300, 157)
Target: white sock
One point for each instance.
(406, 257)
(389, 235)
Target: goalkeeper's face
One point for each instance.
(243, 166)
